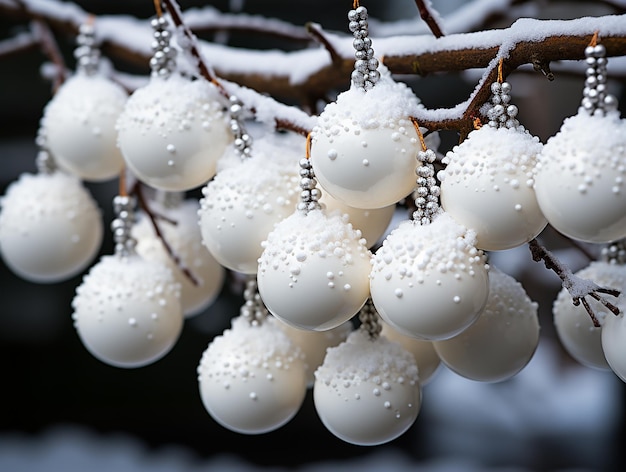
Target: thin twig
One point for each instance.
(50, 48)
(429, 18)
(317, 34)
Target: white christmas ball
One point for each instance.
(313, 271)
(364, 146)
(487, 186)
(614, 343)
(426, 357)
(503, 339)
(50, 227)
(127, 311)
(181, 232)
(580, 176)
(239, 208)
(429, 281)
(367, 391)
(371, 222)
(79, 126)
(315, 343)
(252, 379)
(172, 131)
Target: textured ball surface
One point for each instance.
(367, 392)
(50, 227)
(252, 379)
(79, 125)
(127, 311)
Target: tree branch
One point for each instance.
(429, 18)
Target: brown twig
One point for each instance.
(429, 18)
(577, 287)
(50, 48)
(315, 31)
(17, 45)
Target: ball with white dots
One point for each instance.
(50, 227)
(367, 391)
(127, 311)
(252, 378)
(172, 131)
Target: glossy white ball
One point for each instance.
(79, 127)
(172, 132)
(367, 391)
(180, 230)
(50, 227)
(429, 281)
(313, 271)
(127, 311)
(252, 379)
(580, 178)
(502, 340)
(487, 185)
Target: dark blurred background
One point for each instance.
(56, 399)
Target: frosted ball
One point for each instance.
(239, 208)
(614, 344)
(172, 132)
(79, 125)
(429, 281)
(181, 232)
(573, 324)
(580, 178)
(315, 343)
(364, 146)
(50, 227)
(127, 311)
(367, 391)
(503, 339)
(313, 271)
(427, 360)
(371, 222)
(252, 379)
(487, 186)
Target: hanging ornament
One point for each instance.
(244, 201)
(79, 121)
(428, 279)
(127, 309)
(581, 170)
(200, 276)
(364, 146)
(367, 391)
(252, 378)
(487, 184)
(313, 271)
(50, 226)
(172, 130)
(502, 340)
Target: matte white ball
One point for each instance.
(367, 391)
(503, 339)
(240, 207)
(127, 311)
(580, 178)
(180, 230)
(79, 126)
(614, 343)
(364, 146)
(172, 132)
(252, 379)
(50, 227)
(487, 186)
(429, 281)
(313, 271)
(426, 357)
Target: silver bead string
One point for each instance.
(163, 60)
(365, 74)
(596, 100)
(169, 199)
(44, 161)
(124, 209)
(243, 141)
(310, 194)
(427, 192)
(502, 114)
(370, 320)
(87, 54)
(253, 309)
(614, 253)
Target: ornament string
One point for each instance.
(370, 320)
(365, 74)
(310, 194)
(253, 309)
(596, 100)
(427, 191)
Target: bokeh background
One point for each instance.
(61, 409)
